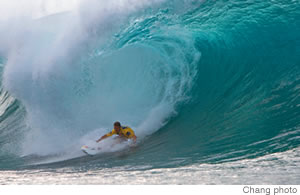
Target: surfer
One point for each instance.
(122, 132)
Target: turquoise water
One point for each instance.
(211, 88)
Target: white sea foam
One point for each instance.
(68, 92)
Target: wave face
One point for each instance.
(199, 81)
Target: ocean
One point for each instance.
(211, 89)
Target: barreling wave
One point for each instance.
(198, 81)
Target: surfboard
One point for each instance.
(112, 144)
(90, 150)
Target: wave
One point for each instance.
(201, 81)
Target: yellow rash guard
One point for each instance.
(125, 131)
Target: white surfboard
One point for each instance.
(90, 150)
(111, 144)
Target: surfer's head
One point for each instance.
(117, 126)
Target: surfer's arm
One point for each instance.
(134, 138)
(102, 138)
(131, 134)
(106, 135)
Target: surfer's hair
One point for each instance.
(118, 124)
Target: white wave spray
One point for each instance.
(73, 83)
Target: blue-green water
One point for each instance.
(211, 88)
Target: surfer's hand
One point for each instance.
(134, 139)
